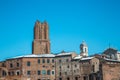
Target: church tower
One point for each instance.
(83, 49)
(41, 43)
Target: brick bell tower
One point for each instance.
(41, 43)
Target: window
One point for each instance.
(60, 61)
(85, 49)
(65, 73)
(3, 64)
(52, 60)
(4, 73)
(11, 65)
(53, 66)
(9, 73)
(38, 61)
(39, 72)
(18, 73)
(28, 63)
(12, 72)
(48, 61)
(48, 72)
(67, 60)
(68, 78)
(60, 73)
(44, 72)
(53, 72)
(18, 64)
(75, 65)
(93, 67)
(60, 67)
(43, 66)
(60, 78)
(74, 71)
(28, 73)
(68, 66)
(76, 78)
(43, 61)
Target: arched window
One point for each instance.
(38, 61)
(43, 60)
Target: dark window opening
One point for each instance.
(52, 60)
(60, 73)
(93, 67)
(48, 61)
(18, 73)
(11, 65)
(76, 78)
(38, 61)
(48, 72)
(68, 66)
(53, 73)
(85, 78)
(67, 60)
(4, 73)
(28, 73)
(60, 78)
(68, 78)
(60, 61)
(39, 72)
(18, 64)
(43, 60)
(28, 63)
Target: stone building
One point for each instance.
(42, 65)
(64, 66)
(89, 68)
(76, 68)
(110, 69)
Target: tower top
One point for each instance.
(83, 49)
(83, 44)
(41, 43)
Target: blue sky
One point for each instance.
(71, 21)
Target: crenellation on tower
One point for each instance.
(41, 43)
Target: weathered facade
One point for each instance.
(30, 67)
(64, 66)
(110, 69)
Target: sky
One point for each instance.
(97, 22)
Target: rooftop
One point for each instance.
(34, 56)
(86, 58)
(65, 53)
